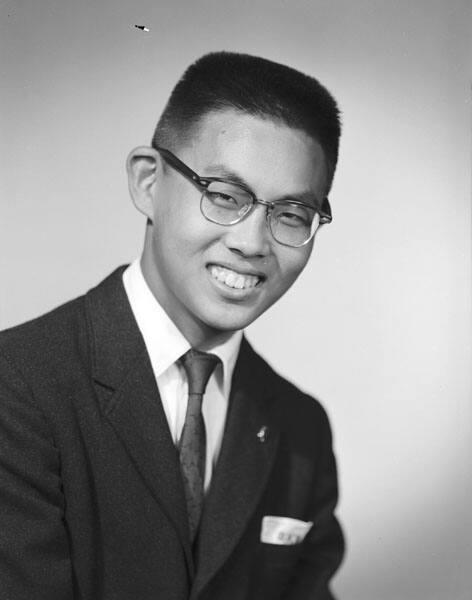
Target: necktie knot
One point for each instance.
(198, 366)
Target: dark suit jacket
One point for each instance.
(91, 499)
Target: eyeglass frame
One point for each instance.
(203, 183)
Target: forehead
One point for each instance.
(267, 154)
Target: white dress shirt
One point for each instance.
(165, 345)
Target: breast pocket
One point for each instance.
(273, 570)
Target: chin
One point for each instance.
(229, 321)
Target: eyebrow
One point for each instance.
(218, 170)
(225, 173)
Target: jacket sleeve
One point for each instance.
(323, 547)
(34, 549)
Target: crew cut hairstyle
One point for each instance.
(226, 80)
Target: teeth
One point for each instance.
(233, 279)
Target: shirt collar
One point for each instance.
(227, 352)
(164, 341)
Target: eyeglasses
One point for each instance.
(291, 222)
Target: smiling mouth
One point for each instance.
(233, 279)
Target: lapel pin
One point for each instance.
(262, 434)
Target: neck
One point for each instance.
(196, 332)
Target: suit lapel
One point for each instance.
(243, 467)
(130, 400)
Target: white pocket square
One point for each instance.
(284, 531)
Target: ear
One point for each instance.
(144, 168)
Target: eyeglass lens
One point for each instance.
(290, 223)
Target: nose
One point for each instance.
(251, 236)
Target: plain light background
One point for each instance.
(379, 324)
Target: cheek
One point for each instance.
(171, 230)
(292, 263)
(175, 202)
(180, 243)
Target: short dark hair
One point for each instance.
(256, 86)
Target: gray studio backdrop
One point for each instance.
(378, 327)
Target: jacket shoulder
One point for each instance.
(45, 338)
(51, 341)
(296, 408)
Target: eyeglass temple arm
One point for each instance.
(178, 164)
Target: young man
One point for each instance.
(146, 451)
